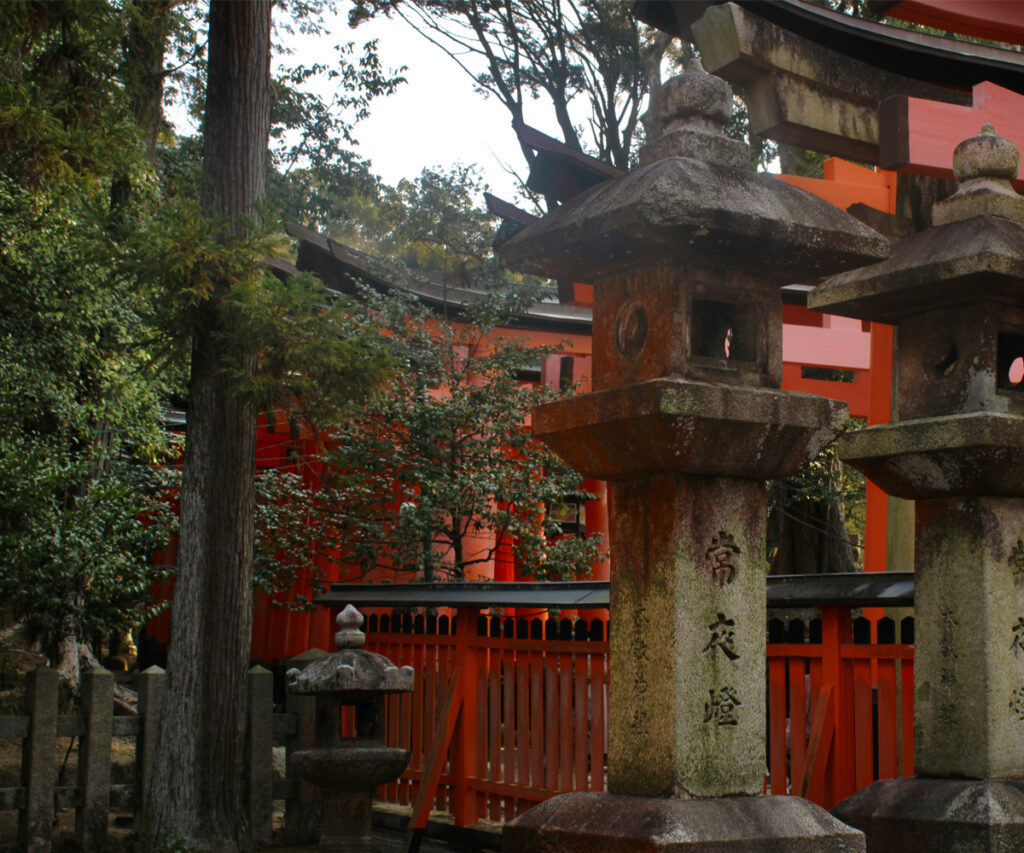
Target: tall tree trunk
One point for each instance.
(199, 785)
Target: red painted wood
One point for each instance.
(888, 721)
(522, 727)
(863, 734)
(579, 732)
(907, 717)
(777, 724)
(598, 708)
(565, 724)
(494, 729)
(797, 718)
(448, 716)
(812, 784)
(536, 722)
(918, 135)
(508, 727)
(545, 712)
(478, 767)
(998, 20)
(463, 763)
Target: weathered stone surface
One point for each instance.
(960, 360)
(686, 257)
(674, 425)
(686, 692)
(346, 768)
(962, 815)
(984, 165)
(675, 319)
(351, 768)
(687, 210)
(968, 454)
(351, 671)
(694, 109)
(969, 606)
(606, 823)
(959, 450)
(945, 266)
(799, 92)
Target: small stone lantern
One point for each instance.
(349, 769)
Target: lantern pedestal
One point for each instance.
(610, 823)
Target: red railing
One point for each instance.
(507, 713)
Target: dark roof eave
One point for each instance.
(855, 589)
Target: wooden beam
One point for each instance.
(918, 135)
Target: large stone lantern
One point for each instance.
(956, 294)
(348, 769)
(687, 420)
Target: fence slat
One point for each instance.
(508, 726)
(536, 722)
(551, 722)
(888, 759)
(522, 748)
(94, 758)
(598, 716)
(12, 728)
(38, 769)
(580, 717)
(565, 723)
(494, 731)
(479, 765)
(907, 716)
(863, 725)
(797, 720)
(777, 724)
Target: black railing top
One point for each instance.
(856, 589)
(849, 589)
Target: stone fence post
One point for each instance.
(38, 769)
(94, 758)
(260, 685)
(151, 684)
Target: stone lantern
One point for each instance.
(955, 292)
(687, 255)
(349, 769)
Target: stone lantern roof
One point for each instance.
(694, 199)
(351, 669)
(974, 252)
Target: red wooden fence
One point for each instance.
(507, 713)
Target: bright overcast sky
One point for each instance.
(436, 117)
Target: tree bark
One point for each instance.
(199, 785)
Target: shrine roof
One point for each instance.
(340, 267)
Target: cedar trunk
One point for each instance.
(199, 785)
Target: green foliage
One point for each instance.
(82, 507)
(814, 513)
(442, 454)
